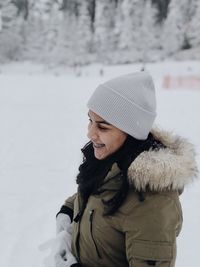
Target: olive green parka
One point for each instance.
(142, 232)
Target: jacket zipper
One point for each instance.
(91, 231)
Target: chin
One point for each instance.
(99, 157)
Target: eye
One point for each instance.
(103, 128)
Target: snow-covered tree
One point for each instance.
(0, 20)
(193, 32)
(22, 7)
(132, 15)
(137, 29)
(80, 31)
(148, 39)
(176, 27)
(173, 32)
(82, 41)
(162, 9)
(10, 38)
(104, 27)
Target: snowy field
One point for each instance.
(43, 119)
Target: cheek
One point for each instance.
(111, 143)
(88, 131)
(88, 135)
(118, 141)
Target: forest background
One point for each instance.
(79, 32)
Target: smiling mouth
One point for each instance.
(98, 145)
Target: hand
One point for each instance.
(63, 222)
(60, 262)
(62, 246)
(61, 255)
(62, 250)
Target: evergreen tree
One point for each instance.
(22, 7)
(149, 33)
(138, 35)
(0, 19)
(10, 38)
(128, 17)
(162, 9)
(76, 32)
(176, 28)
(92, 13)
(173, 32)
(84, 32)
(104, 28)
(67, 40)
(193, 30)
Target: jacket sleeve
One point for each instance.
(151, 230)
(68, 206)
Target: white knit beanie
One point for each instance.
(128, 102)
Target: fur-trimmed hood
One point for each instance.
(171, 167)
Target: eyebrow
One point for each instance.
(104, 122)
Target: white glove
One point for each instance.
(62, 250)
(61, 255)
(63, 222)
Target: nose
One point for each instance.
(92, 133)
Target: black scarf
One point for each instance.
(93, 171)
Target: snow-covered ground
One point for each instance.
(43, 120)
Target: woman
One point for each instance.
(126, 211)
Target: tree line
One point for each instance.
(76, 32)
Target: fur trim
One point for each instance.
(167, 168)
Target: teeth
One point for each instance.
(98, 145)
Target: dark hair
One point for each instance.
(93, 171)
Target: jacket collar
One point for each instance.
(171, 167)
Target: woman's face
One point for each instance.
(105, 137)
